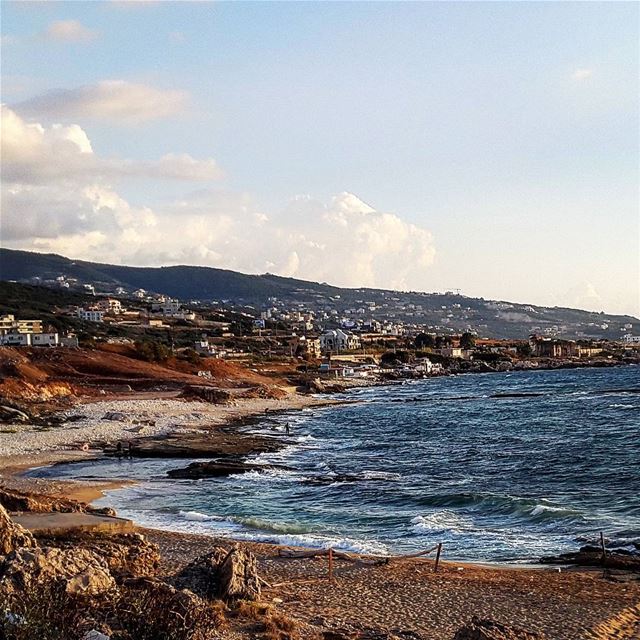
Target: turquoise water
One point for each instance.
(458, 459)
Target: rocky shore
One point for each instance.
(169, 575)
(147, 584)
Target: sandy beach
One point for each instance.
(403, 599)
(408, 597)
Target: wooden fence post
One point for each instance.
(330, 564)
(435, 568)
(604, 549)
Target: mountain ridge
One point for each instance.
(210, 283)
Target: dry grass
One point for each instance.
(273, 624)
(48, 613)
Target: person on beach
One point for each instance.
(287, 428)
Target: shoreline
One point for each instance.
(14, 467)
(228, 418)
(564, 603)
(14, 476)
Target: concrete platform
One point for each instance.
(57, 523)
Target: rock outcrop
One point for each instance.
(217, 469)
(229, 575)
(13, 500)
(485, 629)
(12, 535)
(210, 394)
(126, 555)
(12, 415)
(79, 571)
(589, 556)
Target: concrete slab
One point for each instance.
(57, 523)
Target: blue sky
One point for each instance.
(491, 147)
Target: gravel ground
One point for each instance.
(91, 424)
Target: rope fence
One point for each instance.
(366, 561)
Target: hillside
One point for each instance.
(182, 282)
(436, 312)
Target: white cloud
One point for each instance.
(582, 74)
(57, 196)
(117, 101)
(176, 37)
(69, 31)
(581, 296)
(36, 155)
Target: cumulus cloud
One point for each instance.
(69, 31)
(34, 154)
(116, 101)
(582, 74)
(58, 197)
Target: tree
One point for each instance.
(467, 341)
(391, 358)
(524, 350)
(443, 341)
(425, 341)
(152, 351)
(192, 356)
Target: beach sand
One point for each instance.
(405, 595)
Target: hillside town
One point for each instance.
(366, 342)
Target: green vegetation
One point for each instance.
(152, 351)
(425, 341)
(467, 341)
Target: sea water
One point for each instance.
(499, 467)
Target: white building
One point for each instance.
(30, 340)
(7, 323)
(629, 339)
(167, 307)
(110, 305)
(16, 340)
(44, 339)
(90, 315)
(205, 348)
(339, 340)
(454, 352)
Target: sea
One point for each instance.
(499, 467)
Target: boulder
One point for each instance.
(79, 571)
(12, 415)
(94, 634)
(115, 416)
(485, 629)
(229, 575)
(12, 535)
(126, 554)
(209, 394)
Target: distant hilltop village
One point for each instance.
(332, 338)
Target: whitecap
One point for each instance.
(196, 516)
(441, 521)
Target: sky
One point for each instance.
(487, 147)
